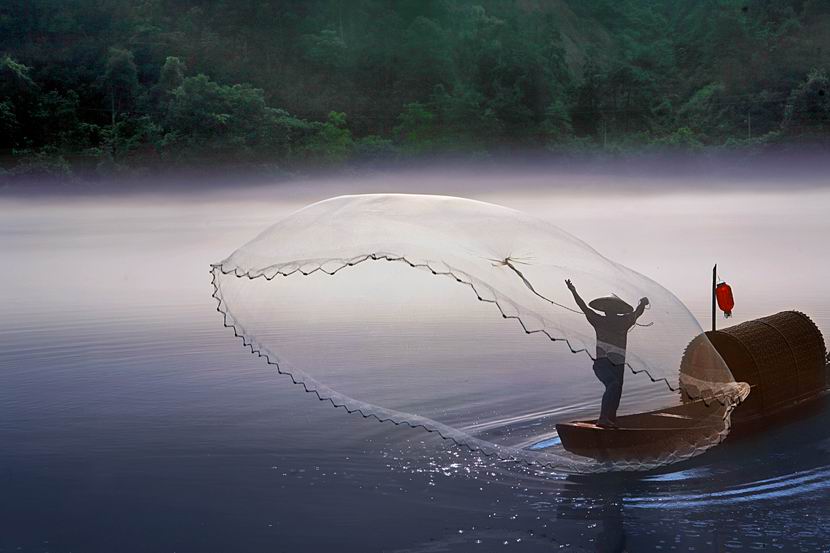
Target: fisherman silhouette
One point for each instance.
(612, 334)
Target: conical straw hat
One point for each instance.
(611, 304)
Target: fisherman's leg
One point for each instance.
(614, 391)
(606, 412)
(603, 369)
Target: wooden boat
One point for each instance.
(644, 436)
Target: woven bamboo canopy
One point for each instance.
(782, 357)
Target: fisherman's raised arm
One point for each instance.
(641, 307)
(579, 301)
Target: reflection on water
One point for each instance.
(130, 420)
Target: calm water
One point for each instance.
(131, 420)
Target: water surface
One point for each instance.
(131, 420)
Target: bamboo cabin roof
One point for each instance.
(782, 357)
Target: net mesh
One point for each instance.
(518, 265)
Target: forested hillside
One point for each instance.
(91, 87)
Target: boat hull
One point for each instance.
(645, 436)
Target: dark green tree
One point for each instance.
(808, 108)
(172, 74)
(121, 81)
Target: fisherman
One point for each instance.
(612, 332)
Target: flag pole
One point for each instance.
(714, 286)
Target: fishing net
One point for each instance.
(369, 302)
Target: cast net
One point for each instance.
(454, 316)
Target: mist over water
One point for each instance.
(131, 420)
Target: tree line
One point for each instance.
(102, 87)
